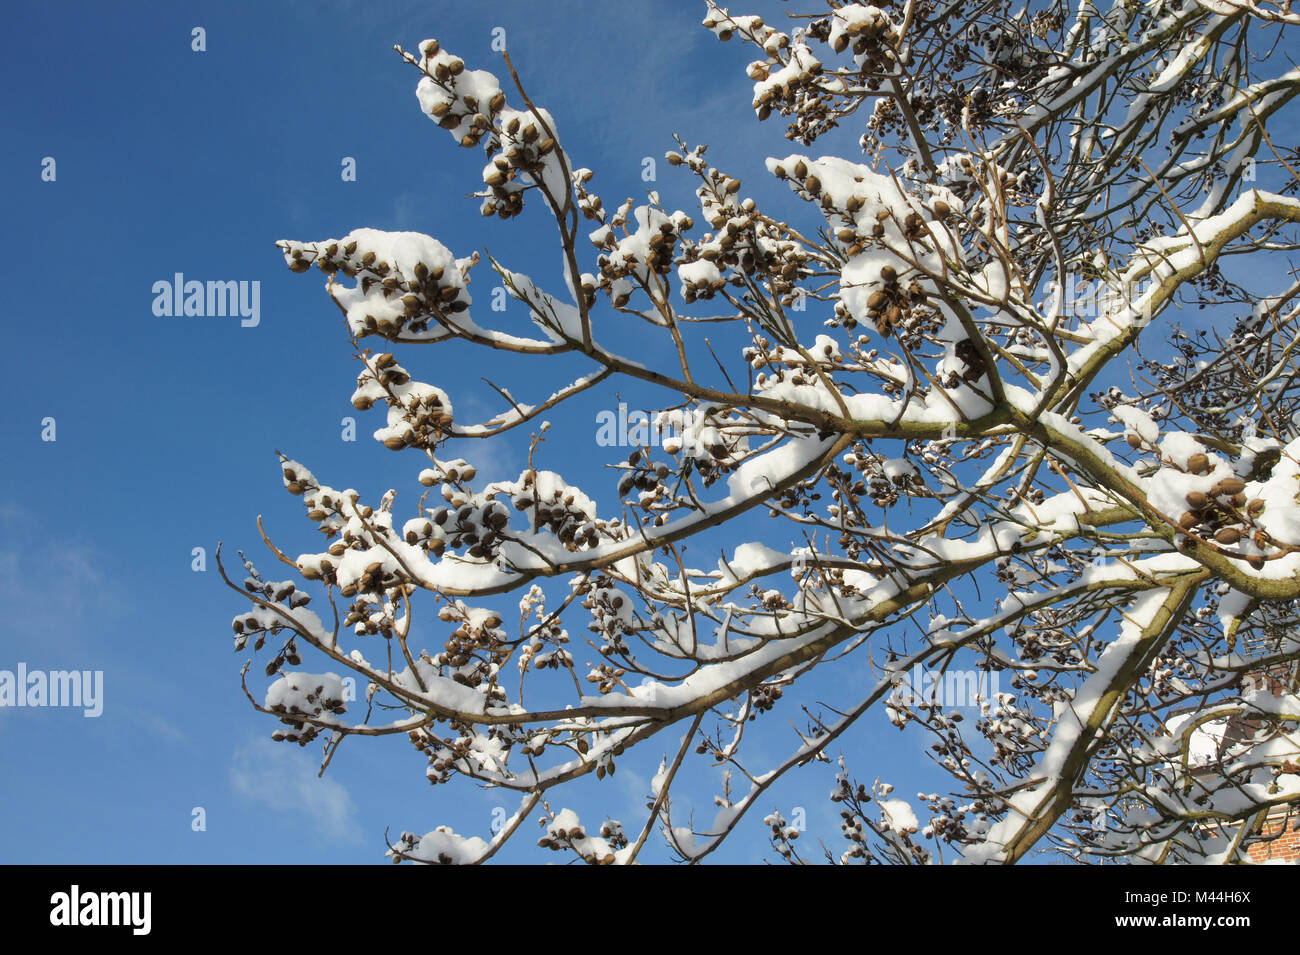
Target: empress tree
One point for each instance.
(949, 366)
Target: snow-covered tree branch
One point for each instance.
(1020, 377)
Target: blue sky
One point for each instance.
(169, 160)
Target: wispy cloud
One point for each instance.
(47, 581)
(628, 87)
(283, 777)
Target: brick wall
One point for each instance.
(1285, 848)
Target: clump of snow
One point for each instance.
(1138, 422)
(443, 847)
(898, 815)
(406, 281)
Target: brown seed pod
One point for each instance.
(1228, 535)
(1198, 463)
(888, 273)
(1255, 507)
(1232, 485)
(1188, 520)
(1197, 501)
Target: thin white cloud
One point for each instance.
(48, 582)
(283, 776)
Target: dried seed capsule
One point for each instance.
(1232, 485)
(1198, 463)
(1228, 535)
(1197, 501)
